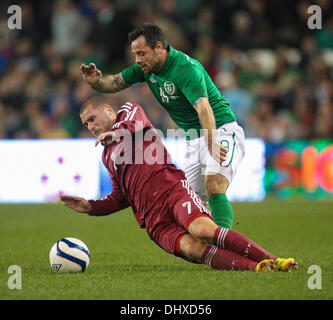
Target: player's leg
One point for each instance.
(207, 243)
(166, 225)
(218, 177)
(189, 212)
(216, 187)
(212, 256)
(193, 167)
(204, 229)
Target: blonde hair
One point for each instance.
(95, 102)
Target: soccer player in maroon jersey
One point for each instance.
(161, 198)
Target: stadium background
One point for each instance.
(275, 72)
(277, 75)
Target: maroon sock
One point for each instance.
(223, 259)
(238, 243)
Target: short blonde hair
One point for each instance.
(95, 102)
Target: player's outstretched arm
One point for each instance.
(207, 122)
(106, 84)
(76, 203)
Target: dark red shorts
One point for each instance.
(171, 216)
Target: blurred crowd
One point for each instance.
(275, 72)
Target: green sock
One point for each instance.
(221, 210)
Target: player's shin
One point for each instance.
(240, 244)
(221, 259)
(221, 210)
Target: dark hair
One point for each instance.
(152, 34)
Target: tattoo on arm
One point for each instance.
(197, 103)
(111, 84)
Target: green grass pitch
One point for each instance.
(126, 264)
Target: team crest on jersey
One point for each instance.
(169, 87)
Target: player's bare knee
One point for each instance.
(215, 183)
(203, 229)
(191, 247)
(201, 233)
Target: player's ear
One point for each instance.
(109, 111)
(158, 47)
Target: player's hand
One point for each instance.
(76, 203)
(218, 152)
(91, 74)
(105, 138)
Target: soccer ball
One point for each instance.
(69, 255)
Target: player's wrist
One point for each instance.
(89, 207)
(98, 85)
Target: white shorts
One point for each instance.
(199, 162)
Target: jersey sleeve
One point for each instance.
(131, 119)
(133, 74)
(113, 202)
(192, 83)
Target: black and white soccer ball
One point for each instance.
(69, 255)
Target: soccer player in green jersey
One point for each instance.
(214, 140)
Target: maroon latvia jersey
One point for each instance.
(138, 164)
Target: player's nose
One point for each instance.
(91, 127)
(138, 59)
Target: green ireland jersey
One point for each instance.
(178, 85)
